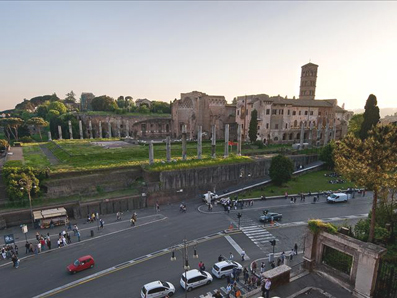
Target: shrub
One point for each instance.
(26, 139)
(3, 144)
(281, 169)
(317, 225)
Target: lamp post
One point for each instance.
(27, 184)
(185, 259)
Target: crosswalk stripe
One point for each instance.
(257, 232)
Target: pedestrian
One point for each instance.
(101, 222)
(243, 256)
(273, 265)
(37, 236)
(69, 226)
(48, 242)
(254, 265)
(282, 256)
(228, 290)
(228, 209)
(220, 258)
(157, 207)
(228, 279)
(78, 236)
(211, 206)
(252, 203)
(296, 248)
(39, 247)
(16, 249)
(75, 230)
(118, 217)
(231, 257)
(245, 275)
(27, 247)
(286, 195)
(278, 262)
(294, 200)
(15, 261)
(291, 254)
(217, 294)
(59, 242)
(364, 192)
(268, 284)
(304, 198)
(263, 267)
(68, 239)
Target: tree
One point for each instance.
(143, 109)
(70, 97)
(327, 155)
(121, 102)
(103, 103)
(160, 107)
(281, 169)
(355, 124)
(370, 163)
(58, 106)
(371, 116)
(38, 123)
(42, 111)
(11, 126)
(52, 114)
(253, 127)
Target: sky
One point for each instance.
(157, 50)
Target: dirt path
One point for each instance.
(51, 157)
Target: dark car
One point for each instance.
(267, 216)
(81, 264)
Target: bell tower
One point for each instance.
(308, 81)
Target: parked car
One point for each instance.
(269, 215)
(81, 264)
(195, 278)
(337, 197)
(157, 289)
(225, 268)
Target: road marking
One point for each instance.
(236, 246)
(125, 265)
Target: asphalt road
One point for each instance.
(150, 247)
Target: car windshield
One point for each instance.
(183, 278)
(76, 263)
(164, 284)
(216, 268)
(144, 290)
(334, 196)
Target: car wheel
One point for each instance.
(222, 276)
(189, 289)
(92, 266)
(170, 294)
(208, 282)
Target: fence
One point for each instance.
(386, 283)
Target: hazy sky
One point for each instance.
(159, 49)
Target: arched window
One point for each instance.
(295, 123)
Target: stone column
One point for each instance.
(199, 142)
(60, 132)
(213, 141)
(151, 153)
(109, 130)
(326, 134)
(90, 128)
(100, 129)
(49, 136)
(81, 129)
(70, 129)
(239, 140)
(184, 128)
(318, 135)
(118, 129)
(127, 128)
(226, 141)
(302, 133)
(310, 133)
(168, 148)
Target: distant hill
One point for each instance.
(383, 112)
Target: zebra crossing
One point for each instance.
(244, 290)
(257, 233)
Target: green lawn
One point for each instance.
(313, 182)
(34, 156)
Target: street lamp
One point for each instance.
(27, 184)
(185, 259)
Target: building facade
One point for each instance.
(196, 109)
(280, 120)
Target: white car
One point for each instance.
(337, 197)
(194, 278)
(157, 289)
(225, 268)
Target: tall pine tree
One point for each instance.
(371, 116)
(253, 128)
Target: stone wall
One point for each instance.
(88, 183)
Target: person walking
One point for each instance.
(157, 207)
(231, 257)
(254, 266)
(48, 242)
(296, 248)
(27, 246)
(268, 284)
(78, 236)
(263, 267)
(228, 290)
(101, 222)
(242, 256)
(217, 294)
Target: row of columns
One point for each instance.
(199, 144)
(326, 133)
(90, 131)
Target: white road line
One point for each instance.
(236, 246)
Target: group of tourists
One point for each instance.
(235, 204)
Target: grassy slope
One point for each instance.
(34, 156)
(314, 181)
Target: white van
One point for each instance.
(195, 278)
(337, 197)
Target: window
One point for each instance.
(288, 112)
(319, 113)
(274, 112)
(267, 111)
(295, 123)
(238, 112)
(156, 290)
(293, 113)
(311, 112)
(281, 112)
(242, 126)
(267, 125)
(259, 127)
(286, 125)
(305, 113)
(276, 126)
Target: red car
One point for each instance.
(81, 264)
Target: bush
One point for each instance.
(317, 225)
(26, 140)
(3, 144)
(281, 169)
(259, 144)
